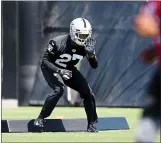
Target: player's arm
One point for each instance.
(51, 50)
(91, 56)
(145, 22)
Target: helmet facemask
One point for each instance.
(82, 37)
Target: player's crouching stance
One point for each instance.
(58, 68)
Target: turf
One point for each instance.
(132, 116)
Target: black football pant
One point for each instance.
(78, 83)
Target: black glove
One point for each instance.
(65, 74)
(90, 47)
(89, 50)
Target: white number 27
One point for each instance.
(66, 58)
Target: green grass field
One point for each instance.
(132, 116)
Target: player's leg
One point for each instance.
(58, 88)
(79, 83)
(150, 120)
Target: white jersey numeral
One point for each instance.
(66, 58)
(75, 57)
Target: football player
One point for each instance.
(147, 23)
(58, 68)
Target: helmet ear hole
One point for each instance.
(76, 34)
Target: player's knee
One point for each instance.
(84, 93)
(146, 131)
(58, 91)
(88, 95)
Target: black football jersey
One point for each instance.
(62, 53)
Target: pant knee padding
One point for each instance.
(87, 94)
(57, 91)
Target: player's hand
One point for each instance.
(65, 74)
(90, 46)
(89, 50)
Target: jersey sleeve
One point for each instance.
(51, 51)
(52, 48)
(49, 65)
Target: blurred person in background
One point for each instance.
(147, 24)
(58, 67)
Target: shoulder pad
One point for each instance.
(61, 41)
